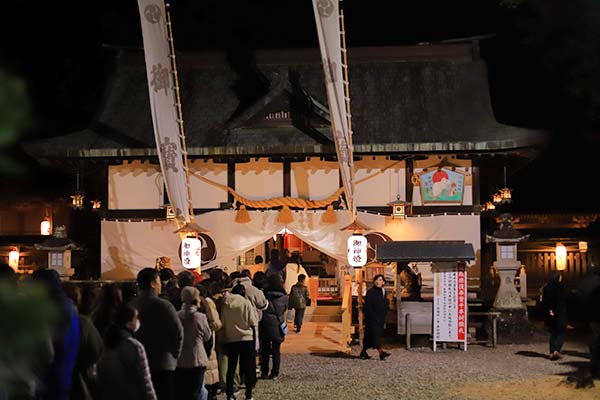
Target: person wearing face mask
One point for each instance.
(123, 370)
(161, 333)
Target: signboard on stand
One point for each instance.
(449, 303)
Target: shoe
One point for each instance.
(383, 355)
(364, 356)
(264, 376)
(231, 398)
(554, 356)
(236, 390)
(273, 376)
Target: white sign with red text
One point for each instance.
(449, 302)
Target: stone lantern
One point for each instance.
(507, 265)
(59, 252)
(513, 321)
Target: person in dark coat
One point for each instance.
(588, 292)
(123, 371)
(554, 304)
(58, 378)
(271, 336)
(375, 309)
(299, 299)
(89, 352)
(161, 332)
(276, 266)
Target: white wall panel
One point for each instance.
(314, 179)
(382, 188)
(259, 180)
(205, 195)
(134, 186)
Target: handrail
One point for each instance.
(347, 312)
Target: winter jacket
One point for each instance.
(211, 376)
(238, 317)
(375, 311)
(254, 294)
(160, 331)
(195, 332)
(292, 271)
(88, 354)
(299, 297)
(273, 316)
(123, 371)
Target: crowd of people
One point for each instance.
(166, 336)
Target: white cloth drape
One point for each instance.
(127, 247)
(162, 104)
(328, 30)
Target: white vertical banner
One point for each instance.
(163, 104)
(449, 302)
(328, 29)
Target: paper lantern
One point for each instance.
(45, 227)
(190, 252)
(561, 257)
(357, 250)
(13, 258)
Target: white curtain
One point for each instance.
(127, 247)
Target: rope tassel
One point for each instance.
(242, 216)
(285, 216)
(329, 216)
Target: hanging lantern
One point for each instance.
(561, 257)
(497, 198)
(46, 226)
(77, 201)
(357, 250)
(505, 195)
(170, 212)
(488, 206)
(13, 259)
(400, 209)
(190, 252)
(96, 205)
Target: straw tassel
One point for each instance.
(285, 216)
(242, 216)
(329, 216)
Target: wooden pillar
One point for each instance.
(361, 327)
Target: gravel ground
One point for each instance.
(504, 372)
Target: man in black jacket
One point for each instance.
(160, 332)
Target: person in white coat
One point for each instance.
(293, 269)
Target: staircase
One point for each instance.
(321, 332)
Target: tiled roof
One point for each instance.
(403, 100)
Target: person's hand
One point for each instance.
(551, 313)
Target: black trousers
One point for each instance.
(269, 347)
(557, 338)
(244, 351)
(189, 382)
(163, 382)
(298, 318)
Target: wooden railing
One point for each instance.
(539, 264)
(347, 312)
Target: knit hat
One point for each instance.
(189, 294)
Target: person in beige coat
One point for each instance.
(239, 318)
(211, 377)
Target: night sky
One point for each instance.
(543, 62)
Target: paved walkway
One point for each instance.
(315, 337)
(504, 372)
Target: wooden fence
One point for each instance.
(539, 264)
